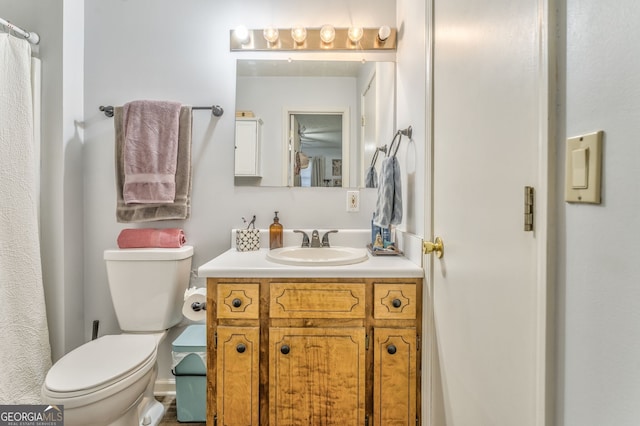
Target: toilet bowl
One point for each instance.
(109, 381)
(103, 381)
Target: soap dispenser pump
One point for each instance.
(275, 233)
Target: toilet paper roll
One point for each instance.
(194, 295)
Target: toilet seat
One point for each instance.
(100, 368)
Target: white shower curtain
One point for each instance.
(25, 355)
(317, 171)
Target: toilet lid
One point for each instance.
(100, 362)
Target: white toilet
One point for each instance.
(110, 380)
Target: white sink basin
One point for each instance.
(317, 256)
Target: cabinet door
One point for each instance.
(247, 148)
(238, 370)
(394, 377)
(316, 376)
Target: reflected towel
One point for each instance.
(389, 203)
(145, 238)
(371, 180)
(181, 206)
(150, 151)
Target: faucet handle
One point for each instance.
(325, 237)
(305, 238)
(315, 238)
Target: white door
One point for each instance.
(489, 137)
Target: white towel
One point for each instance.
(389, 203)
(25, 355)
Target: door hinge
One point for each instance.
(215, 339)
(528, 208)
(215, 420)
(417, 342)
(366, 420)
(362, 121)
(366, 342)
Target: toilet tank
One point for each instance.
(147, 286)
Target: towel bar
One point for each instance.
(216, 110)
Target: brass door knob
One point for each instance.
(437, 247)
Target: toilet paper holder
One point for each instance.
(199, 306)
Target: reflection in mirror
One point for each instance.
(317, 147)
(327, 115)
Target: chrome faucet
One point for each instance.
(315, 238)
(325, 238)
(305, 238)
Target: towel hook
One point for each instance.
(375, 155)
(108, 110)
(408, 132)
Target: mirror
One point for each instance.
(320, 121)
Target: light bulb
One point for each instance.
(327, 33)
(383, 33)
(355, 34)
(271, 34)
(242, 34)
(299, 34)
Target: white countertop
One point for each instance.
(254, 264)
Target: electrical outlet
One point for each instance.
(353, 201)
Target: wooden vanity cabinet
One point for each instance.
(313, 351)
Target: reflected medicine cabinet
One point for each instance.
(247, 161)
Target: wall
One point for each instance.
(411, 110)
(163, 49)
(599, 276)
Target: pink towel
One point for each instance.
(150, 151)
(148, 237)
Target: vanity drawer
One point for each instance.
(316, 300)
(238, 301)
(394, 301)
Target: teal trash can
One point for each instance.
(190, 371)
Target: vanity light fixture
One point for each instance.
(327, 38)
(271, 34)
(299, 34)
(383, 33)
(355, 34)
(327, 34)
(242, 34)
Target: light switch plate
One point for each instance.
(583, 168)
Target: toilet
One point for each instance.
(109, 381)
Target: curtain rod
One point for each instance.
(216, 110)
(30, 36)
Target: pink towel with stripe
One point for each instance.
(151, 238)
(150, 151)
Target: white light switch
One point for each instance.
(580, 168)
(583, 168)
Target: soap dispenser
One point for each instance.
(275, 233)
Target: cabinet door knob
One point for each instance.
(241, 348)
(391, 349)
(236, 303)
(396, 303)
(285, 349)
